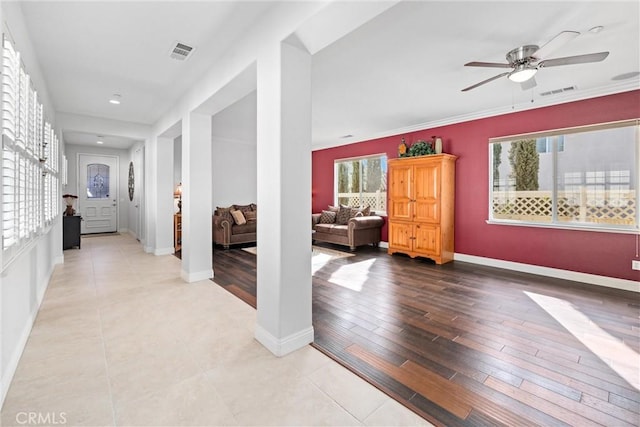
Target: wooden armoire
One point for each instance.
(421, 206)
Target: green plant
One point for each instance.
(421, 148)
(525, 164)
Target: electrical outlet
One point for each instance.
(635, 265)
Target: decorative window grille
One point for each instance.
(30, 150)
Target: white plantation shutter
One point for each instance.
(9, 187)
(30, 150)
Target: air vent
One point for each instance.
(181, 51)
(557, 91)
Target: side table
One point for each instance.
(71, 231)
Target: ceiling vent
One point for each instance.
(557, 91)
(181, 51)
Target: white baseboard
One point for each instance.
(384, 245)
(164, 251)
(592, 279)
(197, 276)
(283, 346)
(148, 249)
(58, 260)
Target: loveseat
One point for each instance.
(347, 226)
(234, 224)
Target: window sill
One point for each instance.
(564, 227)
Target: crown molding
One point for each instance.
(540, 102)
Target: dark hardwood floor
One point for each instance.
(463, 344)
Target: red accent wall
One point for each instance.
(605, 254)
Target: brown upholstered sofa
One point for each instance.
(227, 231)
(358, 231)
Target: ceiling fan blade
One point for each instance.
(484, 82)
(555, 43)
(570, 60)
(529, 84)
(487, 64)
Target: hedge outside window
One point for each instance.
(362, 182)
(576, 178)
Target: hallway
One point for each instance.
(121, 340)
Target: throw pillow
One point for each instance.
(225, 213)
(238, 217)
(334, 208)
(243, 208)
(327, 217)
(254, 207)
(364, 211)
(343, 215)
(251, 216)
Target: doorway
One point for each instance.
(98, 193)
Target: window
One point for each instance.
(97, 181)
(362, 182)
(545, 144)
(30, 182)
(584, 177)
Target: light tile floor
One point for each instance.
(121, 340)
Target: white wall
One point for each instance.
(177, 161)
(124, 157)
(24, 281)
(234, 154)
(135, 207)
(177, 168)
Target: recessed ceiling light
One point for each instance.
(115, 99)
(100, 141)
(596, 29)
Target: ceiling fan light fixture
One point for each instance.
(522, 73)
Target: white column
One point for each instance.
(160, 197)
(284, 199)
(197, 261)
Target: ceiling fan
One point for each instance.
(525, 61)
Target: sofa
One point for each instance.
(355, 228)
(234, 225)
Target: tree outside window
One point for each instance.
(362, 182)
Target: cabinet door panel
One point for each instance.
(427, 239)
(400, 236)
(427, 192)
(400, 192)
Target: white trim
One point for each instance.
(384, 245)
(197, 276)
(560, 226)
(147, 249)
(547, 101)
(58, 259)
(283, 346)
(164, 251)
(592, 279)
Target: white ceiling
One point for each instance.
(401, 70)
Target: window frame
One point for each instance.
(555, 223)
(336, 162)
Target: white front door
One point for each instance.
(98, 193)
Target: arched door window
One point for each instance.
(97, 181)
